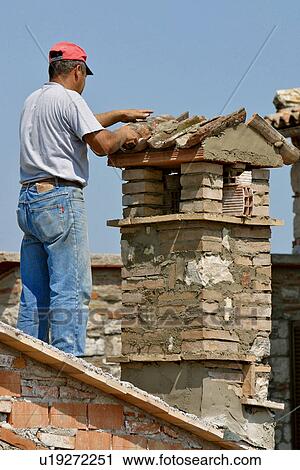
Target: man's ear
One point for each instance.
(77, 71)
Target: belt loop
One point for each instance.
(56, 182)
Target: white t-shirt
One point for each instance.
(53, 123)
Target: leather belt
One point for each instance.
(54, 181)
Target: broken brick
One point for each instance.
(10, 384)
(56, 440)
(142, 427)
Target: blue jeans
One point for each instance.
(55, 266)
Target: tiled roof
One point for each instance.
(287, 116)
(163, 132)
(181, 139)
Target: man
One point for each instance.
(56, 126)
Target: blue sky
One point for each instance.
(168, 55)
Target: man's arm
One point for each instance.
(122, 115)
(106, 142)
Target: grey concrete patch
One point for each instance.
(222, 406)
(235, 144)
(179, 384)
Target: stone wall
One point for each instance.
(42, 408)
(172, 296)
(182, 277)
(286, 309)
(104, 325)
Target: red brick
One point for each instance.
(140, 427)
(29, 415)
(69, 415)
(39, 391)
(161, 445)
(131, 413)
(105, 416)
(169, 431)
(73, 393)
(90, 440)
(210, 345)
(129, 443)
(245, 279)
(10, 384)
(19, 363)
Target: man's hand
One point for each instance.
(131, 115)
(122, 115)
(129, 137)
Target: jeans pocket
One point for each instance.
(48, 222)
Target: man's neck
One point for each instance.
(65, 83)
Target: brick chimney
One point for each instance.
(196, 282)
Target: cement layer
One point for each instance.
(258, 221)
(213, 393)
(241, 144)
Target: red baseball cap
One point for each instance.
(68, 51)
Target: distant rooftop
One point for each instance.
(287, 117)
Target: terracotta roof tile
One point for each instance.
(287, 116)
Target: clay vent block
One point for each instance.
(237, 192)
(237, 200)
